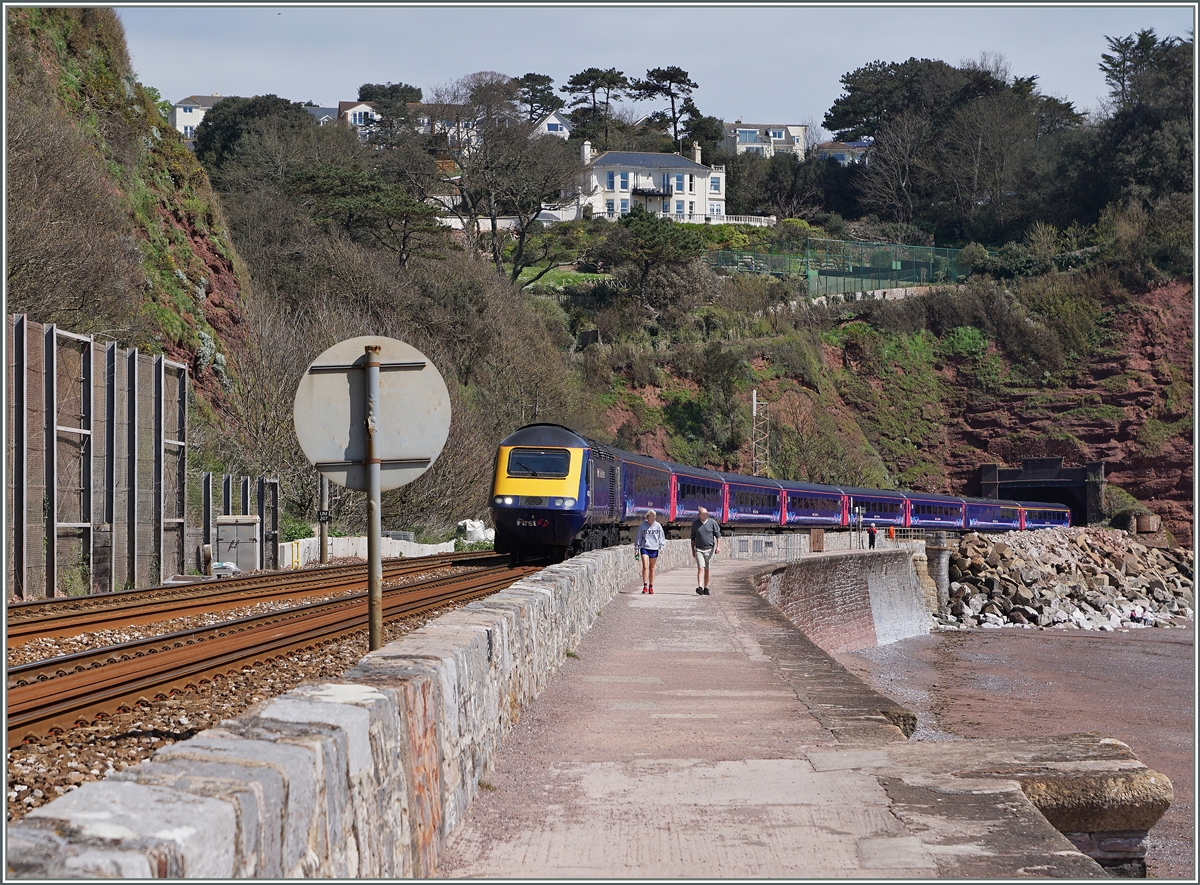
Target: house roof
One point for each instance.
(322, 112)
(200, 101)
(646, 160)
(344, 106)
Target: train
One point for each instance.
(557, 493)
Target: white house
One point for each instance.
(765, 139)
(323, 116)
(845, 152)
(355, 114)
(668, 185)
(187, 113)
(554, 123)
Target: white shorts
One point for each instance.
(704, 556)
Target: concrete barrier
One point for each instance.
(848, 601)
(364, 776)
(297, 554)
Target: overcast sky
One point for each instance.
(767, 64)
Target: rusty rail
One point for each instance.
(62, 617)
(59, 692)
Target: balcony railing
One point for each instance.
(652, 191)
(688, 218)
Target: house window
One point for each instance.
(678, 184)
(714, 208)
(666, 207)
(610, 207)
(691, 207)
(186, 110)
(714, 185)
(361, 118)
(747, 136)
(624, 207)
(554, 127)
(691, 184)
(189, 131)
(754, 149)
(777, 134)
(624, 181)
(679, 207)
(611, 181)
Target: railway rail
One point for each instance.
(62, 617)
(59, 692)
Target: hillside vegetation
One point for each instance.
(1072, 335)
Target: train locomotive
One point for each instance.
(557, 493)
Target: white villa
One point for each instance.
(187, 113)
(664, 184)
(765, 139)
(554, 123)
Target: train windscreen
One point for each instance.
(539, 462)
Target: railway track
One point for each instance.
(63, 617)
(59, 692)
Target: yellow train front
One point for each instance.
(539, 496)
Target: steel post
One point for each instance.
(323, 525)
(374, 495)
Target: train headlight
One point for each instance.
(570, 502)
(499, 500)
(508, 499)
(558, 502)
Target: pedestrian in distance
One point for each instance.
(650, 540)
(706, 542)
(871, 536)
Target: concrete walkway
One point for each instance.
(702, 737)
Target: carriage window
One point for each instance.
(538, 462)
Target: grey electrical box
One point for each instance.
(237, 542)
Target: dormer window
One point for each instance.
(777, 134)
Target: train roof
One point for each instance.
(794, 486)
(874, 493)
(744, 480)
(1043, 505)
(645, 461)
(696, 472)
(544, 435)
(934, 496)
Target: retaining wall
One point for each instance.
(849, 601)
(364, 776)
(297, 554)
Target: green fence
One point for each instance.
(836, 266)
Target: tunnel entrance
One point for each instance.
(1045, 479)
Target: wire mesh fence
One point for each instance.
(832, 267)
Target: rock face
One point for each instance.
(1075, 579)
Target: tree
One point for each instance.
(393, 93)
(364, 206)
(230, 118)
(646, 241)
(595, 89)
(673, 84)
(708, 132)
(1128, 59)
(893, 178)
(535, 93)
(390, 103)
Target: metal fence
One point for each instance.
(832, 267)
(790, 546)
(97, 464)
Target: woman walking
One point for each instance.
(650, 540)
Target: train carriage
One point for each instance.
(751, 501)
(1044, 515)
(880, 506)
(693, 488)
(808, 504)
(646, 487)
(931, 511)
(986, 515)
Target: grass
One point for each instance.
(571, 654)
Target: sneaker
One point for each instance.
(645, 589)
(651, 588)
(699, 591)
(706, 593)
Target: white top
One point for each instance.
(650, 537)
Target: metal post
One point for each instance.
(323, 523)
(110, 435)
(50, 376)
(245, 496)
(227, 495)
(131, 516)
(159, 473)
(262, 522)
(206, 518)
(20, 454)
(374, 495)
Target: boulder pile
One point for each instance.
(1077, 578)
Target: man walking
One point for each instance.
(706, 542)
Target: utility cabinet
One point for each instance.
(238, 541)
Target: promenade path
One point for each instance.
(703, 737)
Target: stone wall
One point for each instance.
(848, 601)
(365, 776)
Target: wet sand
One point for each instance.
(1136, 686)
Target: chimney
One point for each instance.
(696, 151)
(586, 152)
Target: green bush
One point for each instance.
(294, 529)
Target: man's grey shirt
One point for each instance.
(705, 534)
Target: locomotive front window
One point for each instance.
(539, 462)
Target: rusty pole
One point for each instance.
(374, 494)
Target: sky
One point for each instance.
(770, 63)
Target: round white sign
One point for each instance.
(413, 413)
